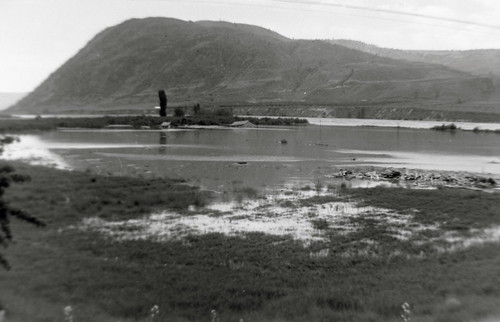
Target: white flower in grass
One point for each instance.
(406, 312)
(213, 316)
(68, 313)
(155, 311)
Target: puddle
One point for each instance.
(478, 237)
(291, 213)
(277, 214)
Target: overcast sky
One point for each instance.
(38, 36)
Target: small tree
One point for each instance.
(179, 112)
(163, 102)
(196, 109)
(7, 176)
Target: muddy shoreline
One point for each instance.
(418, 178)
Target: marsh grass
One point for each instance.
(318, 200)
(479, 130)
(52, 123)
(244, 193)
(452, 209)
(320, 224)
(14, 125)
(255, 277)
(63, 196)
(446, 127)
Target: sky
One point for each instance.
(38, 36)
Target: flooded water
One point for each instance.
(412, 124)
(230, 159)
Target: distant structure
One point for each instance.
(163, 102)
(166, 125)
(242, 124)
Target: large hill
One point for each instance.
(223, 63)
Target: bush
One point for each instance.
(445, 127)
(223, 112)
(179, 112)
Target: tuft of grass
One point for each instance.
(318, 185)
(319, 200)
(320, 224)
(243, 193)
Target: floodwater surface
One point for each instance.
(230, 159)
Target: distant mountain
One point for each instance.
(224, 63)
(482, 62)
(8, 99)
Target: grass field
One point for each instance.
(366, 274)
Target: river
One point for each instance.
(228, 159)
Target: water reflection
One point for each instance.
(397, 137)
(162, 149)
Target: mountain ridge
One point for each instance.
(217, 63)
(473, 61)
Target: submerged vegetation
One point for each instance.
(455, 209)
(364, 275)
(479, 130)
(446, 127)
(452, 128)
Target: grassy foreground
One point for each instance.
(254, 277)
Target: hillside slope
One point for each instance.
(481, 62)
(225, 63)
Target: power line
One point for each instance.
(394, 12)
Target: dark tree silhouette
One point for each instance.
(179, 112)
(7, 176)
(163, 102)
(196, 109)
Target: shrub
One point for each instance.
(445, 127)
(179, 112)
(223, 112)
